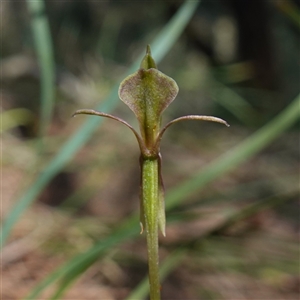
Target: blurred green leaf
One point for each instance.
(44, 49)
(290, 9)
(75, 267)
(233, 102)
(238, 155)
(15, 117)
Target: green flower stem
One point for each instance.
(148, 92)
(150, 203)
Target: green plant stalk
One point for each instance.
(43, 44)
(148, 92)
(150, 202)
(169, 264)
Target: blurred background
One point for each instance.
(70, 186)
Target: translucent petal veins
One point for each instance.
(148, 93)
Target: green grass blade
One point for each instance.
(244, 151)
(253, 209)
(76, 266)
(160, 47)
(233, 102)
(238, 155)
(171, 32)
(43, 44)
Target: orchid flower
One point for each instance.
(148, 92)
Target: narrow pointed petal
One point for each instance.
(102, 114)
(190, 117)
